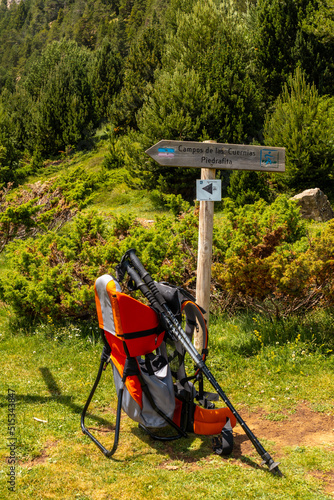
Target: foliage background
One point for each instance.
(86, 87)
(225, 70)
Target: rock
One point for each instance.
(10, 2)
(314, 205)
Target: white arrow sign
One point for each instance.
(209, 190)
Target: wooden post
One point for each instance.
(204, 258)
(223, 157)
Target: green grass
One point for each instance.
(52, 370)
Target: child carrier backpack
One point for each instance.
(149, 371)
(151, 352)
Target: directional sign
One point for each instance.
(218, 156)
(209, 190)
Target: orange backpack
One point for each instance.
(149, 367)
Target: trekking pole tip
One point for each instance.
(275, 470)
(273, 467)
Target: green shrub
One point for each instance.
(79, 186)
(115, 156)
(247, 187)
(263, 259)
(44, 206)
(53, 275)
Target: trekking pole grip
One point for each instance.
(131, 255)
(132, 273)
(145, 276)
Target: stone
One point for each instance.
(10, 2)
(314, 205)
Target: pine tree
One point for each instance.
(284, 41)
(105, 76)
(302, 122)
(209, 46)
(140, 65)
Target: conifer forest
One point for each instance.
(258, 72)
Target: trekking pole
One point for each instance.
(136, 271)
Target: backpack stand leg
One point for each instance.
(107, 453)
(130, 368)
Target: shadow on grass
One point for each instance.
(56, 395)
(178, 449)
(181, 449)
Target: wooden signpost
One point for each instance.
(218, 156)
(209, 156)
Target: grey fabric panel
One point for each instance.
(129, 405)
(162, 391)
(107, 312)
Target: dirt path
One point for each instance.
(302, 428)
